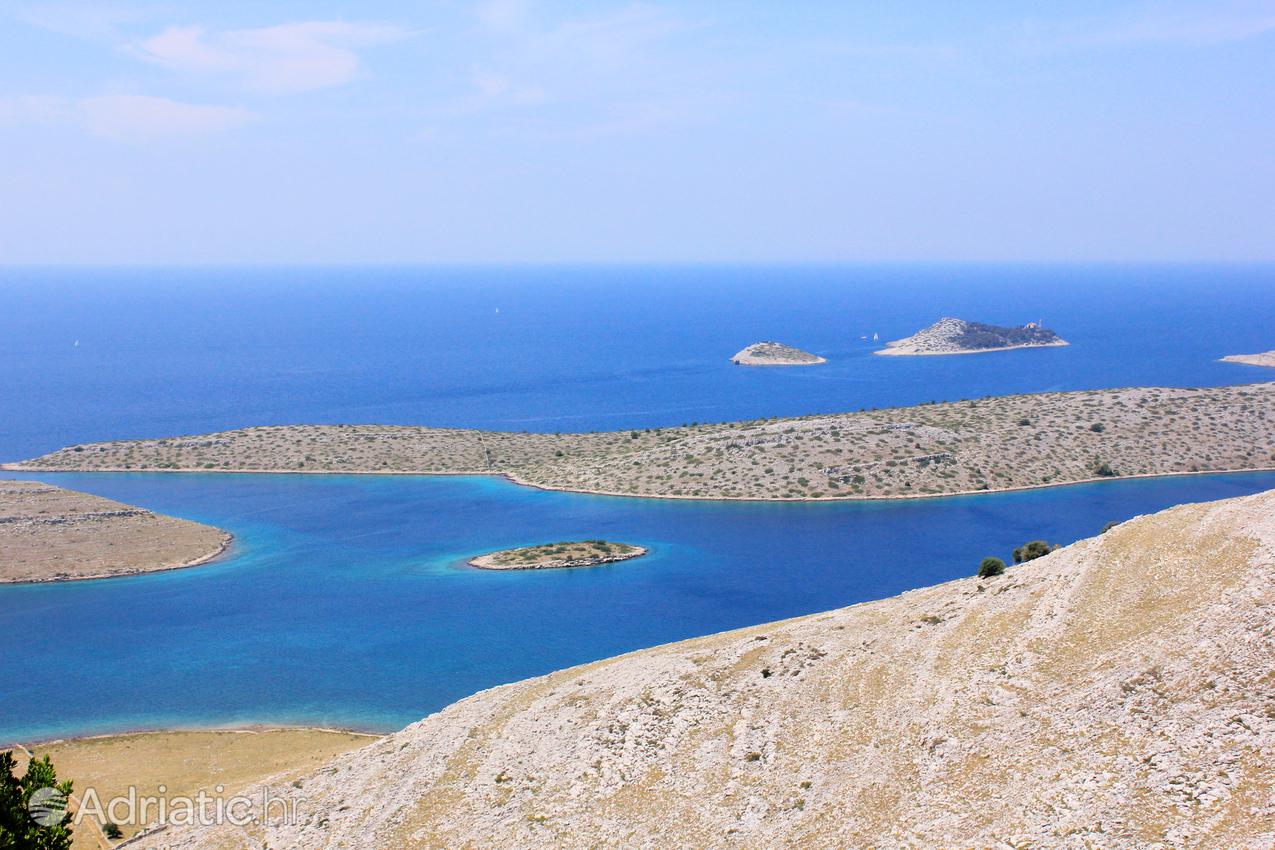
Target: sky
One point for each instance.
(537, 131)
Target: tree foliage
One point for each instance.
(18, 829)
(1031, 551)
(991, 567)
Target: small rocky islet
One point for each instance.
(775, 354)
(563, 555)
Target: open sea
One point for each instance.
(344, 601)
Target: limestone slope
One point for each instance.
(1118, 693)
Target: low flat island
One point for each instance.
(553, 556)
(957, 336)
(995, 443)
(1266, 358)
(51, 534)
(775, 354)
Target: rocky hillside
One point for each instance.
(957, 336)
(1118, 693)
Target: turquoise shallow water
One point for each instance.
(345, 601)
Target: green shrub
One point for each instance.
(1032, 550)
(1097, 427)
(991, 567)
(1104, 470)
(112, 830)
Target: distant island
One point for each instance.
(957, 336)
(556, 556)
(51, 534)
(775, 354)
(1266, 358)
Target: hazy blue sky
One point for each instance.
(695, 131)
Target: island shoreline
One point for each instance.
(1262, 360)
(599, 463)
(221, 551)
(581, 563)
(234, 728)
(901, 351)
(513, 479)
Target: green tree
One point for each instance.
(19, 830)
(1031, 551)
(991, 567)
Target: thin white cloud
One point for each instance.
(101, 21)
(604, 73)
(279, 59)
(622, 119)
(1169, 25)
(503, 15)
(1197, 27)
(502, 87)
(135, 117)
(125, 117)
(34, 109)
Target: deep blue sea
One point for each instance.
(344, 601)
(557, 349)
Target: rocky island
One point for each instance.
(775, 354)
(1266, 358)
(556, 556)
(51, 534)
(957, 336)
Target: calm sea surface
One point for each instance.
(344, 601)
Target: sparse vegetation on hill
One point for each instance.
(931, 449)
(1032, 550)
(991, 567)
